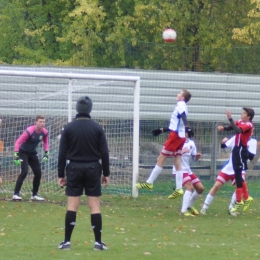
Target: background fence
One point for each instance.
(212, 94)
(157, 56)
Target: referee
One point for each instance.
(83, 143)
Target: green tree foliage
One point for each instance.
(31, 30)
(249, 33)
(11, 31)
(204, 30)
(128, 33)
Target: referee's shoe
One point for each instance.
(100, 246)
(64, 245)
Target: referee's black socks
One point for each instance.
(96, 223)
(70, 222)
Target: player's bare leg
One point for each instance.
(186, 199)
(199, 188)
(210, 196)
(148, 184)
(179, 178)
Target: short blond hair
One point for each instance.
(187, 95)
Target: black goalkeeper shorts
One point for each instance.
(83, 176)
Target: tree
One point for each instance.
(128, 33)
(204, 30)
(249, 33)
(33, 29)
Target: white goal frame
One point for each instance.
(70, 76)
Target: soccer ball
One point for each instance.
(169, 35)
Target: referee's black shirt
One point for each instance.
(83, 140)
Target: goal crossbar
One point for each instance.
(68, 75)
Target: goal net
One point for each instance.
(25, 94)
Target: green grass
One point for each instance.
(149, 227)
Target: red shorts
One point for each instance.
(173, 145)
(223, 178)
(193, 178)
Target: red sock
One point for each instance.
(239, 192)
(245, 191)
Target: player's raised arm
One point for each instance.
(158, 131)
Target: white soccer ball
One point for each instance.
(169, 35)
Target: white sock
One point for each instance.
(233, 201)
(154, 174)
(186, 201)
(193, 198)
(179, 179)
(208, 201)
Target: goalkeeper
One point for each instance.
(25, 155)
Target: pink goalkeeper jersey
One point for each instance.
(30, 138)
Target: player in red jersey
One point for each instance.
(243, 130)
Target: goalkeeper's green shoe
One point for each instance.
(144, 185)
(247, 203)
(176, 194)
(237, 206)
(193, 211)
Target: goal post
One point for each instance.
(116, 101)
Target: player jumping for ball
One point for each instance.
(227, 173)
(174, 144)
(243, 130)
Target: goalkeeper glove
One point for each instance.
(45, 157)
(158, 131)
(17, 159)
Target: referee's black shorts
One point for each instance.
(83, 176)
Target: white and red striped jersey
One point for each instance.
(190, 146)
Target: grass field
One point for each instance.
(148, 227)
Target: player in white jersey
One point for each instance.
(173, 145)
(227, 173)
(191, 182)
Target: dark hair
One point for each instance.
(189, 131)
(250, 112)
(39, 117)
(187, 95)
